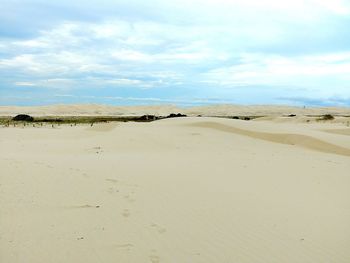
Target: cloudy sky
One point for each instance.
(184, 52)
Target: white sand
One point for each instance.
(176, 190)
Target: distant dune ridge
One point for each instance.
(213, 110)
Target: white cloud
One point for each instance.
(132, 83)
(48, 83)
(26, 84)
(64, 62)
(131, 55)
(34, 43)
(110, 29)
(341, 7)
(111, 48)
(292, 8)
(260, 69)
(26, 61)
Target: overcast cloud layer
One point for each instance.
(176, 51)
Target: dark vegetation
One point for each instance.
(173, 115)
(244, 118)
(23, 118)
(148, 118)
(74, 120)
(153, 117)
(326, 117)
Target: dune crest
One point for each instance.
(339, 131)
(283, 138)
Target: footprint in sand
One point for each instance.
(154, 258)
(112, 180)
(112, 190)
(98, 149)
(126, 247)
(129, 198)
(123, 183)
(126, 213)
(74, 169)
(83, 206)
(159, 229)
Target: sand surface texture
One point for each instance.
(176, 190)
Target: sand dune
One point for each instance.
(339, 131)
(176, 190)
(284, 138)
(213, 110)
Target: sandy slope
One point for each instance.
(176, 190)
(214, 110)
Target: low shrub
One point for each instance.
(23, 117)
(327, 117)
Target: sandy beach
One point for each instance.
(193, 189)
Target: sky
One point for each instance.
(181, 52)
